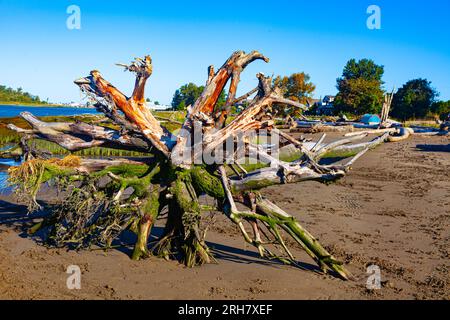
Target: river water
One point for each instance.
(14, 111)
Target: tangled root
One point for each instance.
(28, 177)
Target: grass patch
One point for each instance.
(340, 154)
(8, 136)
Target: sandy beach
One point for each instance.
(391, 210)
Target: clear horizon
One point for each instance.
(41, 55)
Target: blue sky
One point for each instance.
(41, 55)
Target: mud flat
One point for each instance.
(392, 210)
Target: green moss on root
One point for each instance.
(205, 182)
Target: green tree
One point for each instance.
(8, 94)
(297, 87)
(413, 100)
(176, 100)
(441, 109)
(181, 106)
(364, 68)
(360, 88)
(187, 95)
(222, 99)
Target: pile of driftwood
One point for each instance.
(102, 198)
(352, 128)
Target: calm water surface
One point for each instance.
(14, 111)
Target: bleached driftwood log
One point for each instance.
(104, 197)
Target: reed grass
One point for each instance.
(8, 136)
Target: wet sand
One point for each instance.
(392, 210)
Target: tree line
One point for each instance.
(187, 94)
(360, 91)
(8, 94)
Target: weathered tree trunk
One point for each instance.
(103, 197)
(134, 108)
(385, 123)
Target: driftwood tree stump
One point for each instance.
(103, 198)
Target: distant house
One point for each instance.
(326, 106)
(328, 99)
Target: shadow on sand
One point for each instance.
(15, 216)
(433, 147)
